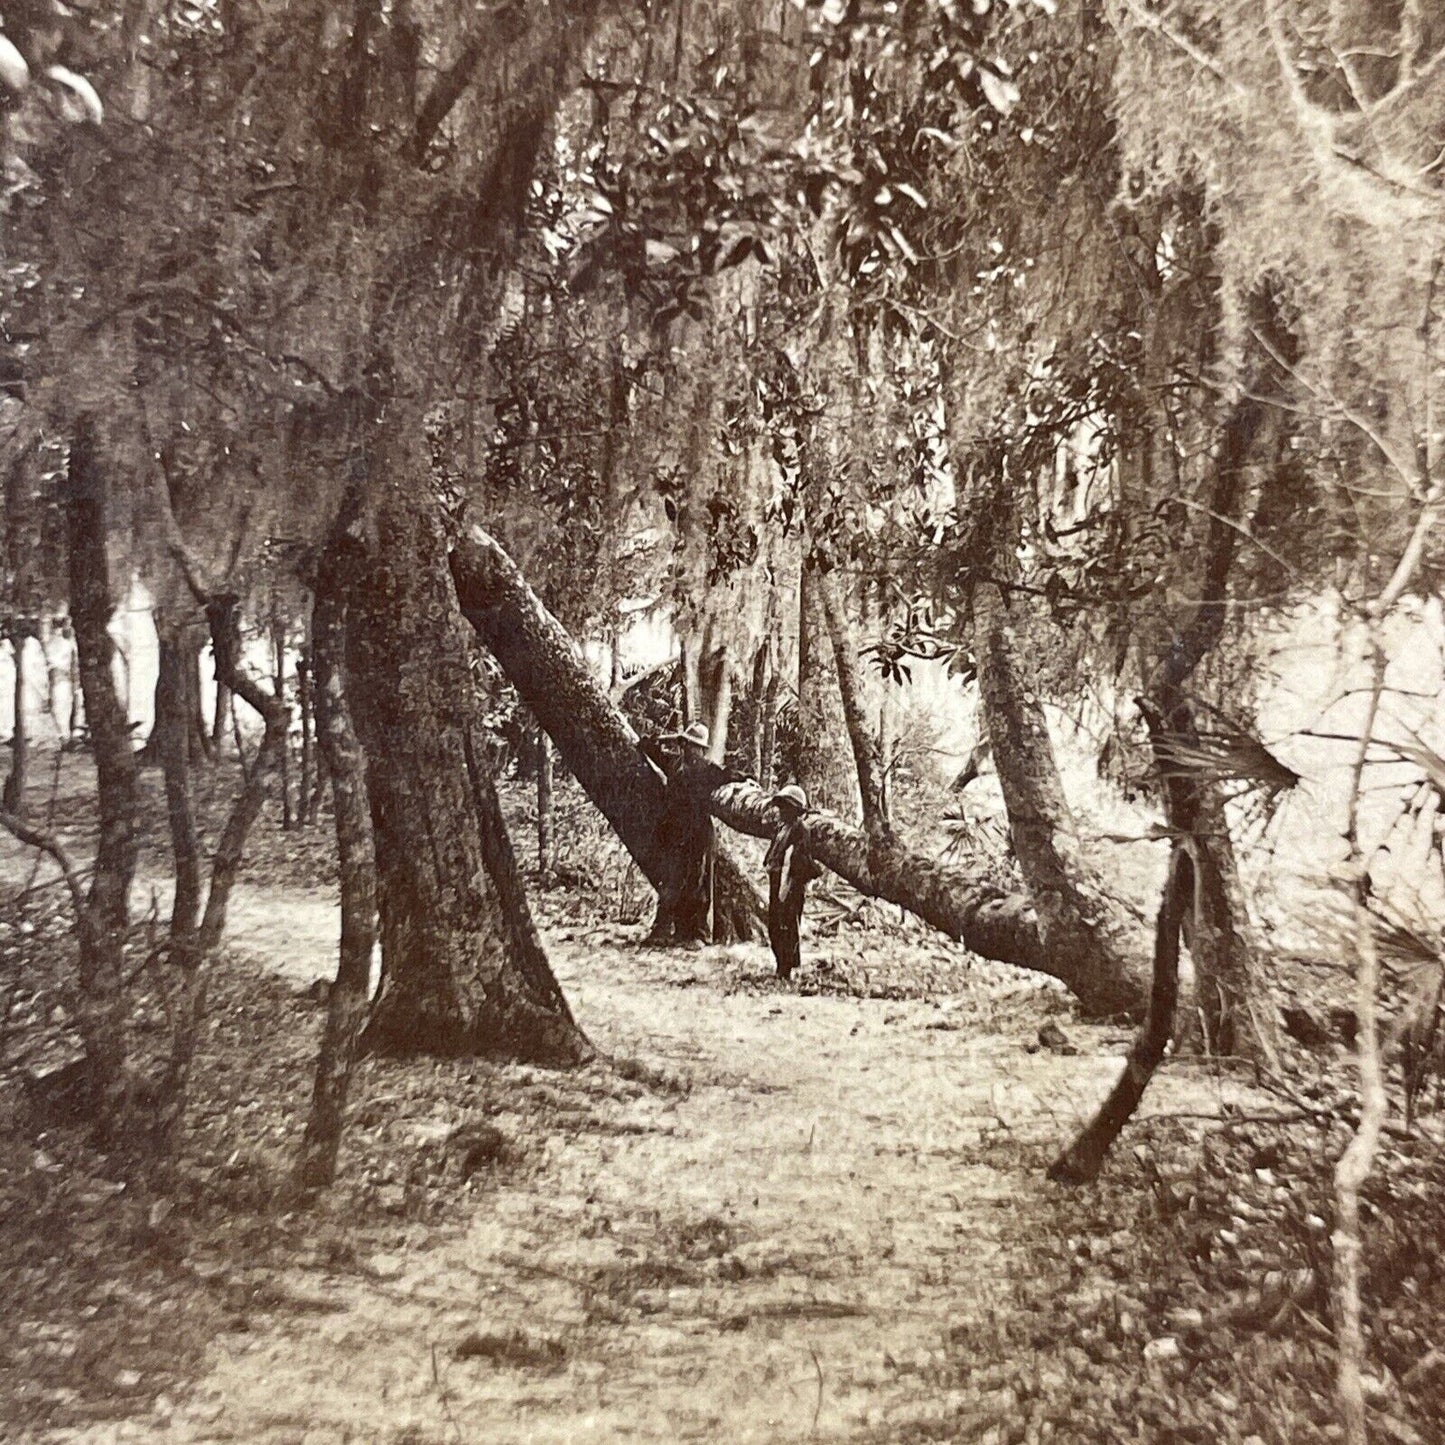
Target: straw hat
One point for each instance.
(695, 735)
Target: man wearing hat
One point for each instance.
(790, 869)
(686, 841)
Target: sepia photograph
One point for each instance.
(722, 721)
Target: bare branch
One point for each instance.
(1161, 27)
(48, 844)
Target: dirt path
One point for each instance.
(777, 1252)
(763, 1228)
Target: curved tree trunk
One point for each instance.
(1236, 1016)
(463, 966)
(1084, 1157)
(595, 741)
(1075, 926)
(600, 747)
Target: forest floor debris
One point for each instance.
(767, 1213)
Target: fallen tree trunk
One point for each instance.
(596, 742)
(986, 919)
(600, 748)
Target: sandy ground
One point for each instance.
(770, 1240)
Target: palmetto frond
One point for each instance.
(1225, 752)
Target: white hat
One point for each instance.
(697, 734)
(791, 794)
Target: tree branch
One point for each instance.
(48, 844)
(447, 91)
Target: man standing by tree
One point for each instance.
(685, 836)
(790, 869)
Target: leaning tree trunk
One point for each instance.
(1076, 927)
(1235, 1012)
(345, 764)
(103, 921)
(1081, 1161)
(463, 966)
(595, 741)
(599, 747)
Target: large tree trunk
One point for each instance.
(983, 917)
(1075, 926)
(345, 764)
(595, 741)
(600, 748)
(103, 921)
(463, 966)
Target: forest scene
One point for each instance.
(725, 721)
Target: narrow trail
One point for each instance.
(758, 1219)
(776, 1254)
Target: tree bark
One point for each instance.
(710, 688)
(15, 783)
(544, 804)
(185, 1004)
(278, 684)
(600, 748)
(305, 700)
(221, 718)
(1075, 926)
(103, 921)
(1236, 1016)
(863, 741)
(345, 765)
(822, 761)
(175, 761)
(595, 741)
(1083, 1159)
(182, 674)
(464, 968)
